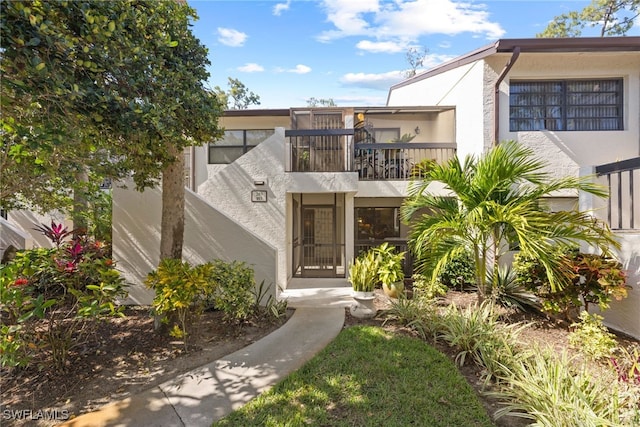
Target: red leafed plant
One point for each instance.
(56, 232)
(627, 365)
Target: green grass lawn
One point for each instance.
(368, 377)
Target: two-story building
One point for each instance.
(576, 102)
(293, 192)
(299, 192)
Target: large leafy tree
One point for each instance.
(610, 17)
(102, 89)
(496, 200)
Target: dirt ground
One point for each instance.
(127, 356)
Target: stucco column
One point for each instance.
(349, 229)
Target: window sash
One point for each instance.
(377, 223)
(235, 143)
(566, 105)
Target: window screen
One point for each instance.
(565, 105)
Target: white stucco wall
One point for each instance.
(208, 235)
(229, 189)
(624, 315)
(10, 235)
(461, 87)
(25, 221)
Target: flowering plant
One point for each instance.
(52, 297)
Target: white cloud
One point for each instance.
(360, 99)
(347, 16)
(280, 7)
(372, 81)
(231, 37)
(432, 60)
(402, 21)
(383, 81)
(251, 67)
(301, 69)
(381, 47)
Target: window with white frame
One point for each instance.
(235, 143)
(566, 105)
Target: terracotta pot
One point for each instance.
(394, 289)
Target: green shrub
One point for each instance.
(476, 333)
(390, 264)
(40, 267)
(498, 352)
(557, 391)
(271, 308)
(591, 337)
(504, 289)
(595, 279)
(52, 298)
(419, 315)
(466, 329)
(425, 289)
(234, 289)
(534, 383)
(181, 291)
(459, 272)
(14, 347)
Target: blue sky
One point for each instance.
(351, 50)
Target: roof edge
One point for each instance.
(257, 112)
(567, 44)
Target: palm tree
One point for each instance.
(497, 201)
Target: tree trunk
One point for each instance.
(480, 257)
(80, 204)
(172, 232)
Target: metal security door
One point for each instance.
(319, 241)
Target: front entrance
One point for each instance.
(318, 235)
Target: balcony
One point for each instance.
(320, 150)
(378, 143)
(332, 150)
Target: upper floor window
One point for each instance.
(565, 105)
(235, 143)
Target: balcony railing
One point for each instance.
(332, 150)
(319, 150)
(622, 208)
(389, 161)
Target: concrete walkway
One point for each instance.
(209, 393)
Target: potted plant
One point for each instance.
(363, 275)
(407, 137)
(390, 269)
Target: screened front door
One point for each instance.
(319, 241)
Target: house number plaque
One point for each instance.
(259, 196)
